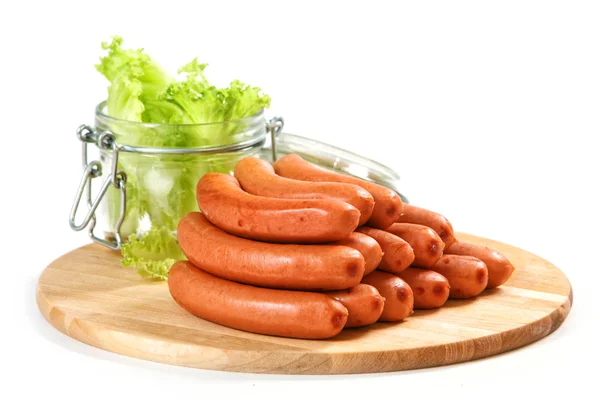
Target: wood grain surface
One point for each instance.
(89, 296)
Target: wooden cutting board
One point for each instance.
(89, 296)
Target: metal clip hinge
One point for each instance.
(93, 170)
(274, 127)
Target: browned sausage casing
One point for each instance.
(398, 295)
(388, 205)
(397, 254)
(430, 289)
(257, 176)
(275, 312)
(468, 276)
(226, 205)
(499, 267)
(417, 215)
(364, 304)
(426, 244)
(282, 266)
(367, 246)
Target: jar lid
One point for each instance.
(334, 159)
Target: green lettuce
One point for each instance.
(153, 253)
(161, 188)
(135, 82)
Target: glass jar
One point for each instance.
(151, 170)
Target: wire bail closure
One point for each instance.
(105, 141)
(274, 127)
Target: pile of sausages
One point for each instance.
(293, 250)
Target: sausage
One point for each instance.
(388, 205)
(257, 176)
(282, 266)
(398, 295)
(499, 267)
(468, 276)
(397, 254)
(226, 205)
(367, 246)
(426, 244)
(430, 289)
(364, 304)
(304, 315)
(417, 215)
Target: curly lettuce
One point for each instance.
(168, 110)
(153, 253)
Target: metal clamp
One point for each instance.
(91, 170)
(274, 127)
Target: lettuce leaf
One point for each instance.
(135, 81)
(161, 188)
(153, 253)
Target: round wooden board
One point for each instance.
(89, 296)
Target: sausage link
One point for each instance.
(388, 205)
(417, 215)
(468, 276)
(426, 244)
(430, 289)
(397, 253)
(364, 304)
(367, 246)
(257, 176)
(399, 300)
(226, 205)
(282, 266)
(274, 312)
(499, 267)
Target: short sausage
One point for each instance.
(257, 176)
(388, 205)
(282, 266)
(397, 254)
(364, 304)
(398, 295)
(430, 289)
(304, 315)
(225, 204)
(499, 267)
(426, 244)
(417, 215)
(367, 246)
(468, 276)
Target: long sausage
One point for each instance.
(499, 267)
(367, 246)
(227, 206)
(388, 205)
(430, 289)
(426, 244)
(417, 215)
(257, 176)
(397, 253)
(304, 315)
(282, 266)
(399, 300)
(468, 276)
(364, 304)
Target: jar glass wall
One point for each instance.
(160, 188)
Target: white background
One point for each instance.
(488, 110)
